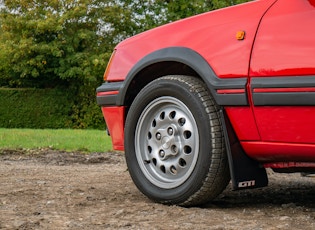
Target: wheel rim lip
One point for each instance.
(152, 172)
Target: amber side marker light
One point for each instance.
(240, 35)
(108, 65)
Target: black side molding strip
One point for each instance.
(286, 91)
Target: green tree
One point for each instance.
(61, 43)
(58, 41)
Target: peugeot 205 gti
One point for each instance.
(216, 97)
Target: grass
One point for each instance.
(60, 139)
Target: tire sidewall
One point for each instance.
(184, 93)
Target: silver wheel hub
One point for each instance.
(167, 142)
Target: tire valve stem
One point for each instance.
(147, 161)
(173, 170)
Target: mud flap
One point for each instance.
(245, 172)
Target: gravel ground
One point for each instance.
(48, 189)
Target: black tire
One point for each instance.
(174, 144)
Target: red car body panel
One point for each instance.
(268, 152)
(285, 46)
(114, 117)
(243, 123)
(276, 58)
(212, 35)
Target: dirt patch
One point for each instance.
(48, 189)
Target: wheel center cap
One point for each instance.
(166, 142)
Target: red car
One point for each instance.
(218, 96)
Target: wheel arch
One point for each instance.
(149, 73)
(185, 61)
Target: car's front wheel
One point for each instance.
(174, 143)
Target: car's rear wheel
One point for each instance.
(174, 143)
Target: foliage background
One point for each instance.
(34, 108)
(64, 45)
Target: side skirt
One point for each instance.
(245, 172)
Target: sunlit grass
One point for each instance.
(61, 139)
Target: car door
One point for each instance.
(282, 73)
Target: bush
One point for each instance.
(47, 108)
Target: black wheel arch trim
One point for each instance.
(286, 96)
(195, 61)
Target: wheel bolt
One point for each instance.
(174, 149)
(170, 131)
(158, 136)
(162, 153)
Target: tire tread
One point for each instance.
(218, 175)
